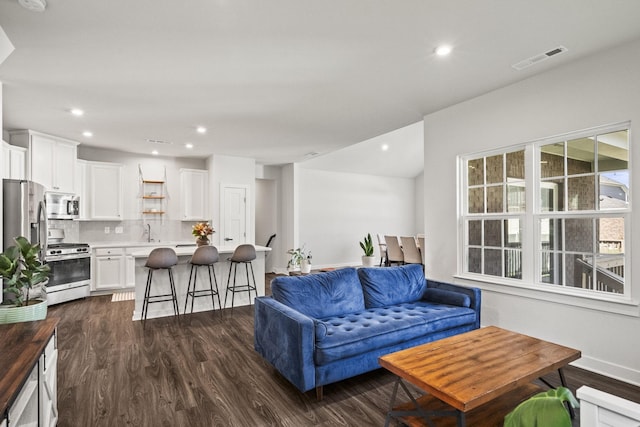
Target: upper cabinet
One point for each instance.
(105, 193)
(194, 200)
(51, 161)
(100, 185)
(14, 162)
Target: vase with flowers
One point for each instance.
(202, 231)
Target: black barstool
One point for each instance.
(243, 254)
(160, 259)
(204, 256)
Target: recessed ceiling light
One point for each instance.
(384, 147)
(154, 152)
(188, 145)
(33, 5)
(443, 50)
(77, 112)
(201, 129)
(87, 133)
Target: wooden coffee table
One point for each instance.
(476, 377)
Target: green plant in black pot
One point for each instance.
(21, 271)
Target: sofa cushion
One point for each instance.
(339, 337)
(387, 286)
(320, 295)
(443, 296)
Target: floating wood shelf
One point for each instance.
(153, 197)
(153, 212)
(149, 181)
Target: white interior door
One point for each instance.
(234, 216)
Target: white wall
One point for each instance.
(338, 209)
(419, 196)
(598, 90)
(266, 216)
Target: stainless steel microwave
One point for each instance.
(62, 205)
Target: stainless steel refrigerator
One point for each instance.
(24, 213)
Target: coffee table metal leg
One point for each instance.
(419, 410)
(563, 381)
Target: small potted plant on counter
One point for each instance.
(24, 277)
(368, 260)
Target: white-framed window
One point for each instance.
(553, 213)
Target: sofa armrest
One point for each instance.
(286, 339)
(473, 293)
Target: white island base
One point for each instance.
(181, 272)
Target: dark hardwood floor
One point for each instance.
(201, 370)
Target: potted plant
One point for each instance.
(23, 279)
(368, 260)
(299, 261)
(305, 263)
(543, 409)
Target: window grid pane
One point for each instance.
(581, 207)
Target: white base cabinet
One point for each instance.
(37, 403)
(48, 369)
(24, 411)
(108, 269)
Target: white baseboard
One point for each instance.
(608, 369)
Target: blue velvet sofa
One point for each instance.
(323, 328)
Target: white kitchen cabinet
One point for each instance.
(130, 266)
(48, 367)
(82, 188)
(51, 161)
(14, 161)
(105, 191)
(194, 196)
(24, 411)
(108, 269)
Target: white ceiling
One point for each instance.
(275, 80)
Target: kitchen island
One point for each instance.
(181, 277)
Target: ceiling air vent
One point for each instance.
(539, 58)
(159, 141)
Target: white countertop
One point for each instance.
(130, 244)
(188, 250)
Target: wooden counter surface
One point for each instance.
(21, 345)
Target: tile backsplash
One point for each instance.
(131, 230)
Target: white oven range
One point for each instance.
(70, 265)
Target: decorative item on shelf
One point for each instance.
(300, 260)
(368, 260)
(202, 231)
(24, 277)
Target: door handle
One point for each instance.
(227, 239)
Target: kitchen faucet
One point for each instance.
(148, 232)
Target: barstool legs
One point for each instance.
(241, 288)
(148, 298)
(193, 293)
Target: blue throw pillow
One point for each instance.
(442, 296)
(385, 286)
(320, 295)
